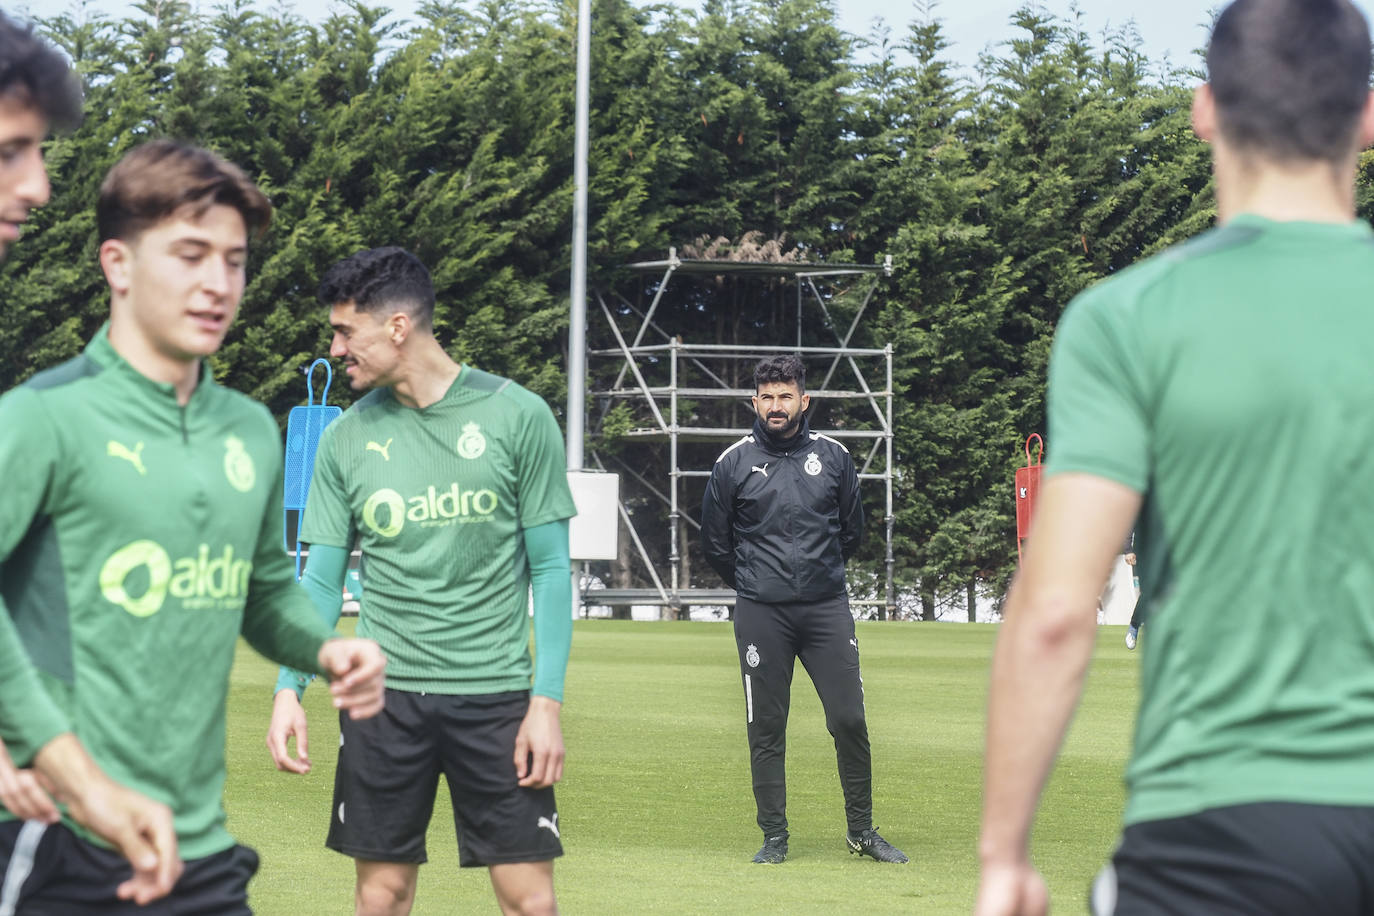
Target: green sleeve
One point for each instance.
(29, 459)
(29, 718)
(279, 619)
(328, 517)
(546, 546)
(541, 465)
(1097, 401)
(323, 581)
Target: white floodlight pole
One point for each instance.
(577, 318)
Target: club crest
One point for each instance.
(471, 444)
(751, 656)
(238, 465)
(813, 464)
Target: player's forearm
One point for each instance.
(851, 515)
(64, 762)
(546, 546)
(540, 704)
(280, 622)
(719, 547)
(287, 632)
(851, 527)
(323, 582)
(29, 718)
(717, 533)
(1038, 668)
(849, 543)
(724, 567)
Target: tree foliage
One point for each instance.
(999, 194)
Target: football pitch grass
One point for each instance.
(656, 809)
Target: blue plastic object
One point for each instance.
(303, 428)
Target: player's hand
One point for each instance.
(1130, 559)
(140, 828)
(1011, 890)
(21, 793)
(357, 675)
(539, 744)
(288, 720)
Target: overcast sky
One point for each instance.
(1168, 27)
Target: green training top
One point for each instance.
(1231, 381)
(439, 496)
(138, 539)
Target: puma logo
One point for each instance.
(120, 450)
(374, 447)
(762, 470)
(551, 825)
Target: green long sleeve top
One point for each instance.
(138, 539)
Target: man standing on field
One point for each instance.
(140, 536)
(455, 481)
(780, 516)
(1221, 391)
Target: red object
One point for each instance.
(1027, 486)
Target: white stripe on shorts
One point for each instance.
(1103, 897)
(21, 865)
(748, 702)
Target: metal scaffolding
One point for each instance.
(663, 379)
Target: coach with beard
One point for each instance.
(780, 516)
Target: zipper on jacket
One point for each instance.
(793, 505)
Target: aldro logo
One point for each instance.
(386, 511)
(140, 575)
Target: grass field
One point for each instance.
(656, 808)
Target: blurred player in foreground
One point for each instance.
(38, 93)
(1222, 391)
(140, 536)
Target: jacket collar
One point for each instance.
(782, 447)
(102, 353)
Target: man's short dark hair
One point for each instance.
(381, 278)
(35, 74)
(1290, 77)
(785, 368)
(155, 181)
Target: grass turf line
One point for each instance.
(656, 807)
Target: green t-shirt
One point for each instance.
(1230, 380)
(438, 497)
(138, 539)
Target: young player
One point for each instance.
(38, 92)
(140, 536)
(455, 482)
(1220, 390)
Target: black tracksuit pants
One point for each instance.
(770, 637)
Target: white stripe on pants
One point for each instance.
(21, 865)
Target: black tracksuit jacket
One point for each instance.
(779, 519)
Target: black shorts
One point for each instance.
(1270, 858)
(388, 774)
(50, 871)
